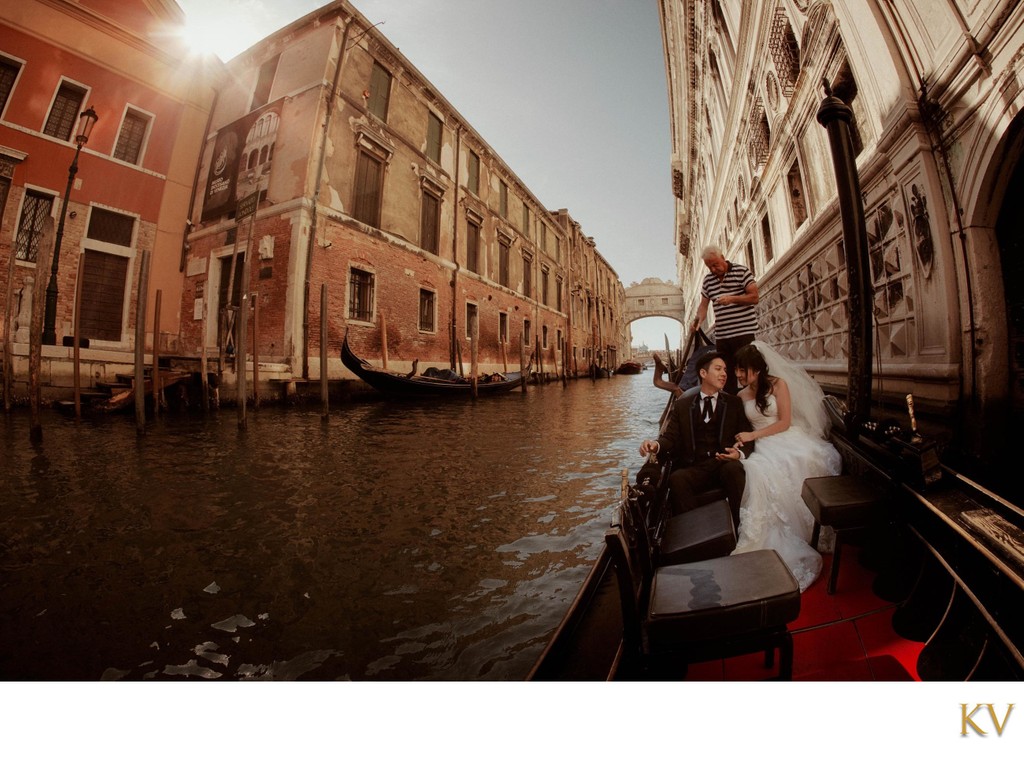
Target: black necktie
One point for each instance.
(708, 412)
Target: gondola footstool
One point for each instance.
(843, 502)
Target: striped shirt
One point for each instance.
(734, 320)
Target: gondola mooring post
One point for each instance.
(474, 352)
(324, 388)
(835, 116)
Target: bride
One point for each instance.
(784, 406)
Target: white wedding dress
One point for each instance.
(772, 513)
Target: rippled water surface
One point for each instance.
(392, 542)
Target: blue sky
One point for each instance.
(570, 93)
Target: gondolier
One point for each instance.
(733, 291)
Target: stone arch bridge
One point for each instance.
(654, 297)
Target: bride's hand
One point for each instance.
(744, 437)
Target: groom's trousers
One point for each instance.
(687, 483)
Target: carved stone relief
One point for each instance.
(922, 231)
(772, 87)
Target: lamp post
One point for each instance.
(87, 120)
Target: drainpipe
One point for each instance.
(455, 246)
(835, 116)
(189, 223)
(315, 194)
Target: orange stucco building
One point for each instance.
(135, 175)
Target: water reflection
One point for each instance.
(396, 541)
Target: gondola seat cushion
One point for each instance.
(730, 596)
(705, 532)
(844, 502)
(841, 501)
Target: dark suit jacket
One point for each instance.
(677, 439)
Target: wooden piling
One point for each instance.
(504, 357)
(522, 364)
(35, 340)
(140, 345)
(474, 332)
(204, 380)
(255, 351)
(383, 341)
(325, 413)
(540, 361)
(8, 358)
(242, 339)
(76, 357)
(155, 372)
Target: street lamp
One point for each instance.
(87, 120)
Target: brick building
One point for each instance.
(373, 192)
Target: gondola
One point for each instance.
(944, 554)
(402, 385)
(629, 367)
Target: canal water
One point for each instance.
(395, 541)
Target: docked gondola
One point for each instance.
(629, 367)
(420, 385)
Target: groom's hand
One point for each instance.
(729, 454)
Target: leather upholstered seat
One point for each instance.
(702, 610)
(701, 533)
(844, 502)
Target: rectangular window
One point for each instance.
(558, 294)
(503, 259)
(34, 211)
(544, 337)
(503, 328)
(544, 237)
(527, 277)
(559, 342)
(503, 200)
(527, 337)
(360, 295)
(131, 137)
(750, 257)
(766, 231)
(380, 92)
(471, 312)
(369, 181)
(472, 247)
(110, 226)
(433, 138)
(430, 223)
(225, 278)
(64, 112)
(103, 280)
(526, 221)
(8, 73)
(473, 169)
(264, 81)
(544, 286)
(427, 310)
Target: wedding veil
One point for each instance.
(807, 398)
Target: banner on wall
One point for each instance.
(221, 184)
(243, 152)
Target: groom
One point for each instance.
(700, 436)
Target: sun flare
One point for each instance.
(218, 28)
